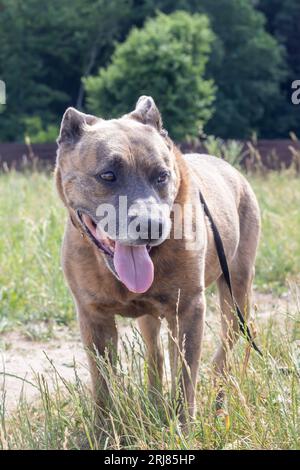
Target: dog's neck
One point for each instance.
(182, 196)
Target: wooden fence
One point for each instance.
(274, 154)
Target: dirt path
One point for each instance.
(21, 358)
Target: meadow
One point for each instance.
(263, 402)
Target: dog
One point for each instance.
(139, 266)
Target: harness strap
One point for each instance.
(224, 266)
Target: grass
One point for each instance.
(263, 406)
(31, 280)
(278, 258)
(263, 403)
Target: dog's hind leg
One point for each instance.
(242, 273)
(186, 340)
(230, 329)
(150, 329)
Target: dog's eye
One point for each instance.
(107, 176)
(163, 177)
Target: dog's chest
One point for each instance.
(126, 304)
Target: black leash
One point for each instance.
(224, 266)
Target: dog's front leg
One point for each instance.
(100, 338)
(186, 333)
(150, 329)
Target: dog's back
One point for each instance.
(231, 200)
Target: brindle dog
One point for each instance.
(154, 274)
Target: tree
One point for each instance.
(283, 23)
(247, 67)
(165, 59)
(46, 47)
(247, 64)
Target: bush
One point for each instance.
(36, 133)
(247, 65)
(231, 151)
(166, 59)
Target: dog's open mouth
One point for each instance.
(133, 264)
(97, 236)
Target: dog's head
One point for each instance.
(119, 180)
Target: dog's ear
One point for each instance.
(147, 112)
(72, 126)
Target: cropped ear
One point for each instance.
(147, 112)
(72, 126)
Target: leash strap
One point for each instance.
(224, 266)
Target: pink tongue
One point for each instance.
(134, 267)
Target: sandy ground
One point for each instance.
(22, 358)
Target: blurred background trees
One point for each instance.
(167, 60)
(283, 22)
(102, 54)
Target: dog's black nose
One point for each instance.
(147, 229)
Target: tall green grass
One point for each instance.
(263, 405)
(31, 282)
(278, 260)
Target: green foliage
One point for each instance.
(25, 63)
(246, 64)
(35, 132)
(283, 23)
(46, 47)
(166, 59)
(231, 151)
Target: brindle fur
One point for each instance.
(86, 145)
